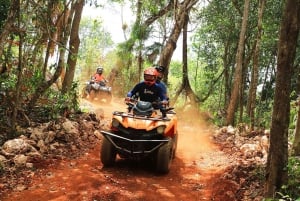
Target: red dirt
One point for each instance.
(195, 173)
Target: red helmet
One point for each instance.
(150, 75)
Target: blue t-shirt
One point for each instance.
(148, 93)
(163, 86)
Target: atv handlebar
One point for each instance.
(133, 101)
(163, 106)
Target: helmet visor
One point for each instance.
(149, 78)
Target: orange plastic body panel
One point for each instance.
(143, 123)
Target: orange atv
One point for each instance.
(144, 131)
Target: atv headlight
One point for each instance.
(160, 129)
(115, 123)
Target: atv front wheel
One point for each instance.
(108, 153)
(164, 157)
(92, 95)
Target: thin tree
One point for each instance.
(180, 17)
(185, 85)
(235, 93)
(296, 142)
(254, 75)
(140, 42)
(17, 97)
(74, 46)
(276, 170)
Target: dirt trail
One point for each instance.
(193, 175)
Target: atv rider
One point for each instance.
(148, 90)
(97, 78)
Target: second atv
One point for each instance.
(142, 132)
(97, 91)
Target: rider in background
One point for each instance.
(148, 90)
(159, 82)
(98, 77)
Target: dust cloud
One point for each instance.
(194, 134)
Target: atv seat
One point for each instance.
(143, 108)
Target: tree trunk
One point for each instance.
(169, 48)
(226, 75)
(185, 85)
(254, 75)
(74, 46)
(17, 97)
(140, 42)
(52, 32)
(276, 170)
(238, 71)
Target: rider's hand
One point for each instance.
(127, 99)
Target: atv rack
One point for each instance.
(125, 114)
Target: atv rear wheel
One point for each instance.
(164, 157)
(108, 153)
